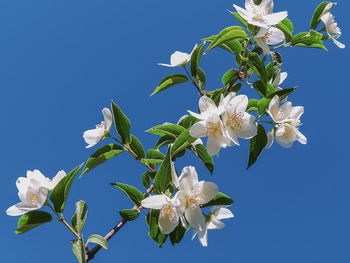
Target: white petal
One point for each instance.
(199, 129)
(274, 107)
(223, 213)
(59, 176)
(195, 217)
(283, 76)
(167, 223)
(196, 115)
(166, 65)
(275, 18)
(179, 58)
(203, 237)
(206, 191)
(264, 46)
(108, 119)
(270, 139)
(174, 177)
(194, 48)
(340, 45)
(187, 179)
(286, 110)
(179, 202)
(275, 36)
(92, 137)
(215, 223)
(19, 209)
(22, 184)
(250, 6)
(262, 32)
(296, 113)
(38, 176)
(301, 138)
(154, 202)
(41, 197)
(267, 5)
(206, 104)
(248, 127)
(229, 97)
(232, 135)
(213, 146)
(238, 104)
(242, 12)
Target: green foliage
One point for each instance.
(258, 67)
(154, 232)
(164, 140)
(257, 145)
(101, 155)
(173, 130)
(129, 214)
(310, 39)
(282, 94)
(287, 27)
(201, 79)
(97, 239)
(263, 104)
(240, 19)
(60, 192)
(137, 147)
(31, 220)
(133, 193)
(182, 142)
(227, 34)
(79, 249)
(203, 155)
(146, 180)
(316, 18)
(122, 124)
(177, 235)
(195, 59)
(188, 121)
(151, 161)
(232, 46)
(252, 105)
(219, 199)
(276, 61)
(230, 77)
(170, 81)
(79, 217)
(260, 88)
(163, 176)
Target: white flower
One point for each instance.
(332, 28)
(279, 80)
(268, 37)
(287, 118)
(213, 222)
(260, 15)
(179, 59)
(170, 210)
(196, 193)
(238, 123)
(33, 191)
(196, 142)
(210, 125)
(92, 137)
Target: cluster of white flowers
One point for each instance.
(33, 191)
(185, 206)
(225, 123)
(287, 119)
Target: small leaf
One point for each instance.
(182, 142)
(164, 140)
(146, 180)
(154, 154)
(79, 250)
(316, 18)
(170, 81)
(188, 121)
(151, 161)
(219, 199)
(97, 239)
(260, 88)
(167, 129)
(31, 220)
(133, 193)
(232, 46)
(263, 104)
(195, 59)
(79, 217)
(122, 124)
(201, 79)
(203, 155)
(60, 192)
(276, 60)
(177, 235)
(137, 147)
(287, 28)
(163, 176)
(252, 104)
(100, 156)
(129, 214)
(311, 39)
(258, 66)
(283, 93)
(230, 77)
(257, 145)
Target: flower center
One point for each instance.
(288, 132)
(193, 201)
(168, 211)
(235, 120)
(102, 125)
(258, 16)
(280, 115)
(214, 129)
(34, 199)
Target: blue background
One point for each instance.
(61, 62)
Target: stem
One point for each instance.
(194, 83)
(91, 254)
(245, 53)
(283, 45)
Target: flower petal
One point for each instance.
(92, 137)
(199, 129)
(19, 209)
(206, 191)
(167, 223)
(179, 58)
(59, 176)
(166, 65)
(206, 104)
(301, 138)
(108, 119)
(223, 213)
(296, 113)
(242, 12)
(187, 179)
(275, 36)
(275, 18)
(195, 217)
(274, 107)
(340, 45)
(154, 202)
(270, 139)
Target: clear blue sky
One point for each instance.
(61, 62)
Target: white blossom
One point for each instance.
(170, 210)
(260, 15)
(213, 222)
(92, 137)
(238, 123)
(332, 28)
(33, 191)
(196, 193)
(268, 37)
(210, 125)
(179, 59)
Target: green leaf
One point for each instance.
(252, 104)
(167, 129)
(228, 34)
(146, 180)
(154, 154)
(79, 217)
(151, 161)
(219, 199)
(100, 156)
(201, 79)
(129, 214)
(260, 88)
(282, 94)
(269, 71)
(177, 235)
(316, 18)
(137, 147)
(122, 124)
(188, 121)
(182, 142)
(203, 155)
(276, 61)
(263, 104)
(97, 239)
(311, 39)
(257, 145)
(133, 193)
(258, 67)
(60, 192)
(287, 28)
(170, 81)
(230, 77)
(164, 140)
(79, 250)
(239, 18)
(163, 176)
(195, 59)
(232, 46)
(31, 220)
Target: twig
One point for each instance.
(193, 82)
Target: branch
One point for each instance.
(91, 254)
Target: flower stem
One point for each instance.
(194, 83)
(244, 53)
